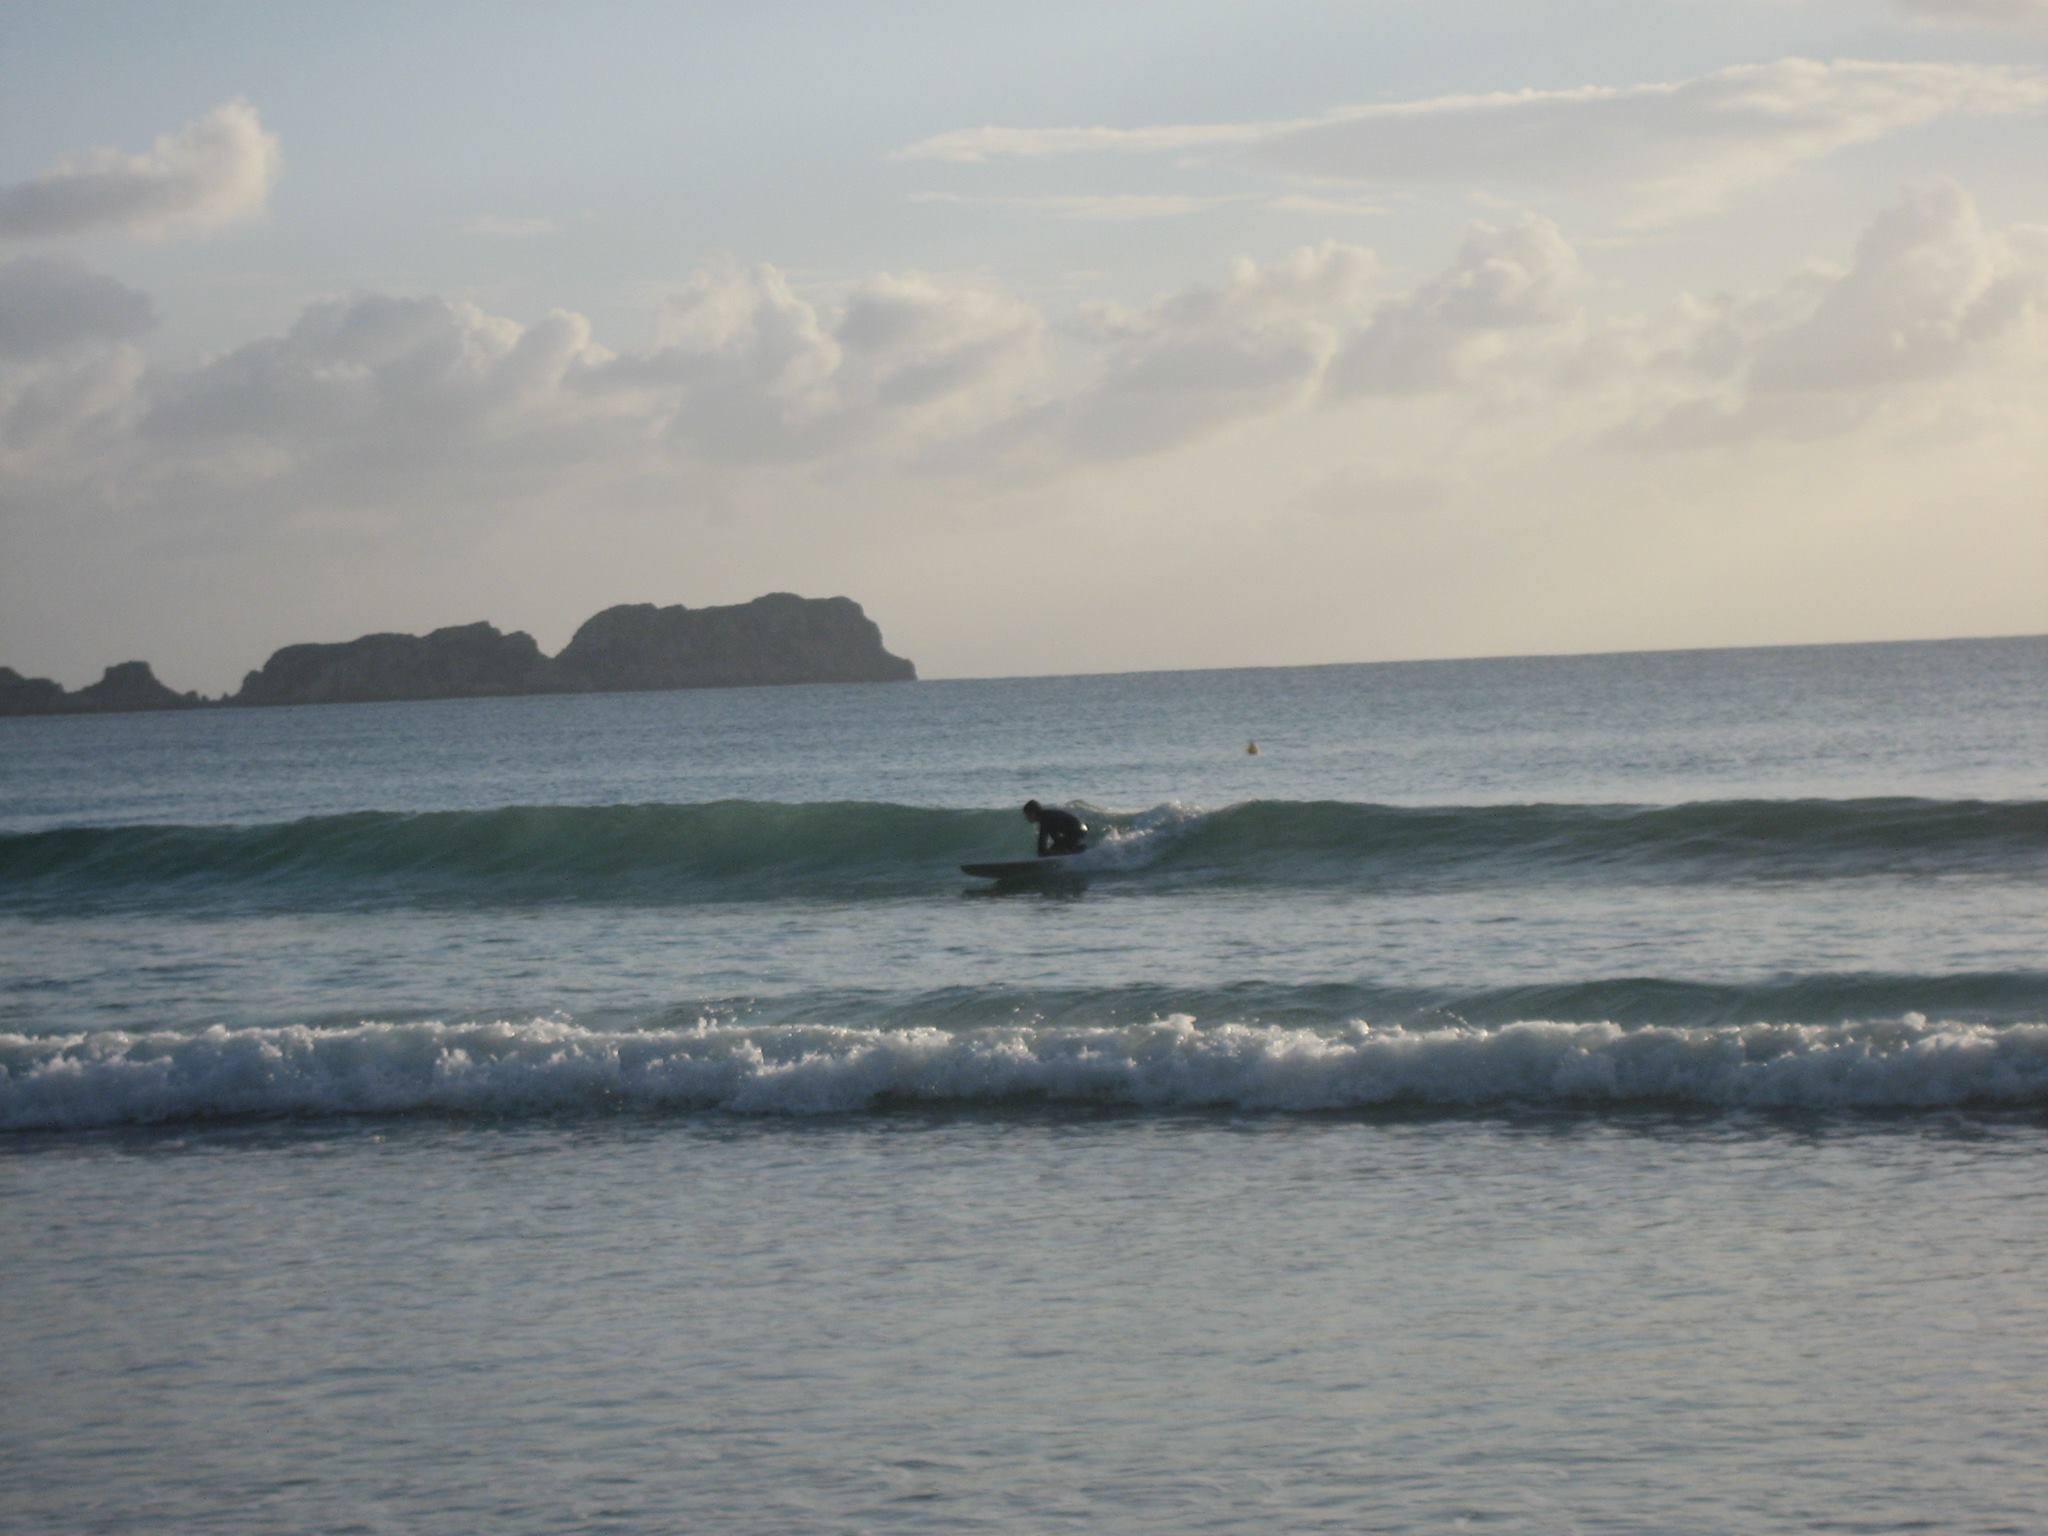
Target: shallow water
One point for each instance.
(1034, 1322)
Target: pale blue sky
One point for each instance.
(1733, 331)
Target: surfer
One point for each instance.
(1058, 831)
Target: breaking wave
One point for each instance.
(751, 850)
(542, 1066)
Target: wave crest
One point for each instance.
(553, 1065)
(750, 850)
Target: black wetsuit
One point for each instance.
(1060, 832)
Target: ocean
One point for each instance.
(1575, 1094)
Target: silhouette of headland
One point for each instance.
(636, 647)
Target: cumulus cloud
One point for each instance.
(68, 368)
(67, 417)
(51, 304)
(1314, 326)
(211, 172)
(379, 364)
(377, 399)
(376, 402)
(1929, 294)
(378, 396)
(913, 343)
(1928, 286)
(1675, 147)
(747, 368)
(1208, 356)
(1508, 279)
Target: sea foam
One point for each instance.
(551, 1065)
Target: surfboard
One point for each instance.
(1020, 869)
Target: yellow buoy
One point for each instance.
(1251, 749)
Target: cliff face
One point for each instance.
(780, 638)
(460, 662)
(129, 685)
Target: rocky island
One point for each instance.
(463, 661)
(128, 685)
(635, 647)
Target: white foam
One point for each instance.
(507, 1067)
(1142, 839)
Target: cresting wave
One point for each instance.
(551, 1066)
(751, 850)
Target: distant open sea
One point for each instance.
(1584, 1094)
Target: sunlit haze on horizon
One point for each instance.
(1063, 338)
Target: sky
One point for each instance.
(1065, 338)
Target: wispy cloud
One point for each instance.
(212, 172)
(1316, 206)
(1671, 147)
(1134, 207)
(976, 146)
(1100, 207)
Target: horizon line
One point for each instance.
(1297, 666)
(1422, 661)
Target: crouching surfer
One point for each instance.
(1058, 831)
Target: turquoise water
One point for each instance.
(1573, 1094)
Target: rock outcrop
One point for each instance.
(780, 638)
(31, 695)
(129, 685)
(463, 661)
(636, 647)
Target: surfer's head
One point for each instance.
(1031, 810)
